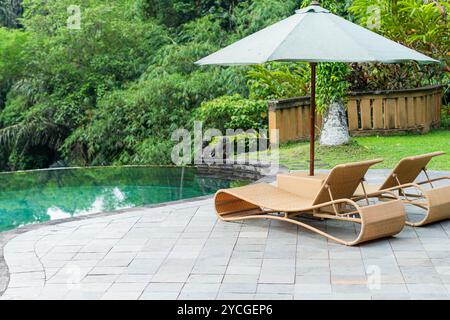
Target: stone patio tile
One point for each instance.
(247, 270)
(275, 263)
(16, 282)
(128, 287)
(411, 254)
(390, 296)
(78, 263)
(309, 271)
(406, 244)
(430, 296)
(427, 288)
(83, 295)
(247, 255)
(197, 296)
(54, 263)
(54, 291)
(383, 288)
(121, 259)
(275, 288)
(313, 263)
(66, 249)
(209, 269)
(130, 242)
(347, 270)
(211, 288)
(273, 296)
(89, 256)
(441, 262)
(254, 234)
(155, 287)
(133, 278)
(313, 296)
(248, 288)
(347, 263)
(22, 293)
(127, 248)
(91, 287)
(250, 247)
(284, 253)
(306, 254)
(407, 262)
(251, 240)
(69, 274)
(143, 266)
(240, 278)
(360, 288)
(205, 278)
(107, 270)
(345, 255)
(121, 295)
(312, 279)
(245, 262)
(235, 296)
(305, 289)
(420, 275)
(171, 276)
(280, 275)
(159, 296)
(99, 278)
(432, 231)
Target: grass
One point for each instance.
(393, 148)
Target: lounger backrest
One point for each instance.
(343, 181)
(408, 169)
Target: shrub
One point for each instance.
(233, 112)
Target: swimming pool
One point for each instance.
(39, 196)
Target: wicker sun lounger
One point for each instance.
(435, 201)
(324, 197)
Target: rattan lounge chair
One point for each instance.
(435, 201)
(324, 197)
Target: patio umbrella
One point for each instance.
(314, 35)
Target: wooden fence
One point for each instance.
(368, 113)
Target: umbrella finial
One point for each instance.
(315, 3)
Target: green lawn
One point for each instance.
(391, 149)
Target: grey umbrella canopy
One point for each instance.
(314, 35)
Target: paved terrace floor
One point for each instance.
(182, 251)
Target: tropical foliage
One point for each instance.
(112, 90)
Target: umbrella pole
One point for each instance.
(312, 125)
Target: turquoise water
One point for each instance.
(38, 196)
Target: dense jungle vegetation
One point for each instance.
(113, 90)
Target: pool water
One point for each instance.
(38, 196)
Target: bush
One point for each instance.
(233, 112)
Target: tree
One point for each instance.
(10, 11)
